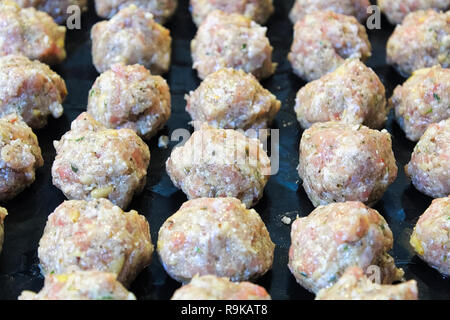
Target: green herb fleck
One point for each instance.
(74, 169)
(332, 279)
(304, 274)
(107, 298)
(198, 250)
(92, 92)
(429, 111)
(346, 248)
(436, 96)
(244, 46)
(79, 139)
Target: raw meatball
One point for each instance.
(20, 156)
(94, 162)
(431, 236)
(161, 9)
(396, 10)
(423, 99)
(130, 37)
(429, 168)
(234, 41)
(220, 163)
(322, 42)
(95, 235)
(354, 285)
(216, 236)
(30, 89)
(343, 162)
(55, 8)
(3, 214)
(31, 33)
(352, 93)
(357, 8)
(214, 288)
(421, 41)
(337, 236)
(80, 285)
(257, 10)
(232, 99)
(130, 97)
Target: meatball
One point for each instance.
(3, 214)
(354, 285)
(429, 168)
(31, 33)
(94, 162)
(431, 236)
(423, 99)
(357, 8)
(30, 89)
(338, 236)
(130, 97)
(55, 8)
(130, 37)
(80, 285)
(343, 162)
(20, 156)
(421, 41)
(216, 236)
(352, 93)
(220, 163)
(234, 41)
(322, 42)
(95, 235)
(396, 10)
(232, 99)
(162, 10)
(214, 288)
(257, 10)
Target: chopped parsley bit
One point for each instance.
(198, 250)
(52, 272)
(92, 92)
(346, 248)
(429, 111)
(79, 139)
(107, 298)
(304, 274)
(436, 96)
(74, 169)
(244, 46)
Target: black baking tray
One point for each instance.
(401, 205)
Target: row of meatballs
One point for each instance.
(324, 36)
(94, 250)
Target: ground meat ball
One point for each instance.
(429, 168)
(30, 89)
(55, 8)
(322, 42)
(3, 214)
(423, 99)
(20, 156)
(80, 285)
(431, 236)
(342, 162)
(131, 37)
(94, 162)
(421, 41)
(357, 8)
(232, 99)
(234, 41)
(130, 97)
(31, 33)
(95, 235)
(214, 288)
(352, 93)
(338, 236)
(257, 10)
(220, 163)
(354, 285)
(161, 9)
(216, 236)
(396, 10)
